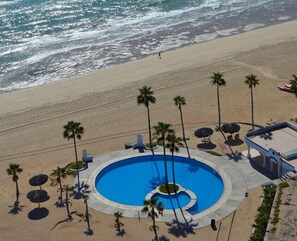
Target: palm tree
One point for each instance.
(13, 170)
(153, 208)
(252, 81)
(67, 189)
(293, 83)
(173, 143)
(56, 178)
(146, 98)
(118, 224)
(217, 79)
(73, 130)
(85, 197)
(161, 130)
(179, 101)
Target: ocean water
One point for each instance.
(43, 41)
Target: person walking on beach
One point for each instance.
(160, 55)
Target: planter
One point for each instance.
(75, 170)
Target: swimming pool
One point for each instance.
(129, 181)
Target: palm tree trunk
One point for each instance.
(252, 107)
(154, 224)
(87, 216)
(149, 126)
(219, 106)
(173, 171)
(118, 225)
(61, 189)
(165, 164)
(76, 159)
(156, 235)
(67, 203)
(17, 190)
(183, 128)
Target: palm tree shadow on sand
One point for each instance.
(163, 238)
(236, 156)
(38, 213)
(78, 192)
(63, 221)
(16, 207)
(121, 233)
(89, 232)
(179, 229)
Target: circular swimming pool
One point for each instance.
(129, 181)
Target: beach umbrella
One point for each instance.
(230, 128)
(38, 180)
(38, 196)
(203, 132)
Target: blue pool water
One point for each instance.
(173, 201)
(129, 181)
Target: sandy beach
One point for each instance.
(105, 103)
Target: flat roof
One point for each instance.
(281, 140)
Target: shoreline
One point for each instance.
(181, 35)
(148, 66)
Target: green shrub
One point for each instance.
(71, 166)
(275, 218)
(154, 143)
(74, 166)
(163, 188)
(262, 218)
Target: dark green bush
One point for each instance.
(275, 218)
(262, 218)
(74, 166)
(163, 188)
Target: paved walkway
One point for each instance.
(236, 171)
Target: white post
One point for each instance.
(264, 161)
(249, 152)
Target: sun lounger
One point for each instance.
(85, 157)
(139, 145)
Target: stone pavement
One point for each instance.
(236, 171)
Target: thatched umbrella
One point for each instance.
(230, 128)
(38, 180)
(38, 196)
(203, 132)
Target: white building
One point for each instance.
(277, 144)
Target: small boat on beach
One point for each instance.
(286, 87)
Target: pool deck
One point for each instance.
(238, 176)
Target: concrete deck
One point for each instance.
(238, 176)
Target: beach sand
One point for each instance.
(105, 103)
